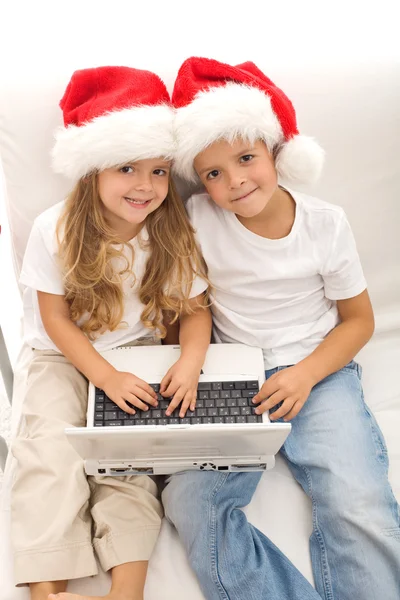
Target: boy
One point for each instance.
(287, 278)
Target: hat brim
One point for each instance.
(240, 111)
(115, 138)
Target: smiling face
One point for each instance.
(238, 176)
(132, 192)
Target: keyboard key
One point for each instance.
(224, 394)
(204, 386)
(228, 385)
(210, 403)
(98, 423)
(98, 416)
(156, 414)
(199, 403)
(231, 402)
(145, 414)
(235, 411)
(243, 402)
(100, 397)
(249, 393)
(191, 413)
(207, 420)
(245, 410)
(203, 395)
(152, 422)
(240, 385)
(236, 394)
(99, 406)
(221, 403)
(163, 404)
(229, 420)
(252, 385)
(155, 386)
(110, 415)
(113, 423)
(212, 412)
(130, 422)
(110, 406)
(140, 422)
(122, 415)
(216, 385)
(223, 412)
(163, 421)
(214, 395)
(251, 419)
(240, 419)
(184, 421)
(195, 421)
(219, 419)
(173, 421)
(201, 412)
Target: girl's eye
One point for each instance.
(213, 174)
(126, 169)
(160, 172)
(246, 158)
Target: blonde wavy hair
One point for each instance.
(88, 247)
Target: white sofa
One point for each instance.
(349, 104)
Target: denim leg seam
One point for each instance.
(213, 539)
(318, 533)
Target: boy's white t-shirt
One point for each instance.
(41, 272)
(278, 294)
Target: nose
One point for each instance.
(143, 182)
(236, 179)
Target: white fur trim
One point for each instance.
(225, 112)
(115, 138)
(300, 160)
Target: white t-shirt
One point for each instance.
(278, 294)
(41, 271)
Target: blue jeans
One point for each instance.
(337, 453)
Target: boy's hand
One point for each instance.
(181, 382)
(292, 386)
(123, 387)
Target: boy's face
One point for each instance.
(239, 177)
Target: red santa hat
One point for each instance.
(217, 101)
(112, 115)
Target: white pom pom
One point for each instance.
(300, 160)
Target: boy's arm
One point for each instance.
(292, 386)
(345, 341)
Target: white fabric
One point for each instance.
(346, 95)
(278, 294)
(41, 271)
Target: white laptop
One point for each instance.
(222, 434)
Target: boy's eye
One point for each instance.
(213, 174)
(246, 158)
(160, 172)
(126, 169)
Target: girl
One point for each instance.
(286, 277)
(100, 271)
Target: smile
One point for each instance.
(137, 203)
(245, 196)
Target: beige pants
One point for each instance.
(60, 517)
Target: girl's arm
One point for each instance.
(194, 337)
(76, 347)
(292, 386)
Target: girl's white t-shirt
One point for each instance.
(41, 272)
(281, 294)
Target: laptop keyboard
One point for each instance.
(217, 402)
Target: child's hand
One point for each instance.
(181, 382)
(292, 386)
(126, 387)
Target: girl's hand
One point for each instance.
(125, 387)
(181, 382)
(292, 387)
